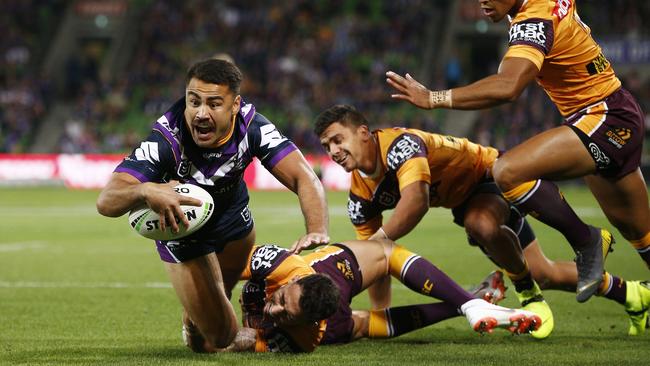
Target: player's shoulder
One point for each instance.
(172, 120)
(397, 145)
(539, 9)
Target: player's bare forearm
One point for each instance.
(410, 209)
(485, 93)
(244, 341)
(295, 173)
(505, 86)
(122, 193)
(313, 205)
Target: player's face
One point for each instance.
(497, 9)
(209, 111)
(284, 306)
(345, 144)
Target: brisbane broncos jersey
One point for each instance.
(573, 71)
(269, 268)
(451, 166)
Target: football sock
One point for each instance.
(544, 201)
(395, 321)
(522, 280)
(642, 247)
(422, 276)
(613, 288)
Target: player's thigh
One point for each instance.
(234, 258)
(372, 257)
(555, 154)
(624, 202)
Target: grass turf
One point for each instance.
(80, 289)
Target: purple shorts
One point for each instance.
(344, 270)
(612, 130)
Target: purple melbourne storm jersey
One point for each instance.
(169, 153)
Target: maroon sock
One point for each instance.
(616, 290)
(422, 276)
(404, 319)
(546, 203)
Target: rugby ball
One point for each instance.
(146, 222)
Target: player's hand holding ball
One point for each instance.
(171, 210)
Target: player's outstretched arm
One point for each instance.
(295, 173)
(504, 86)
(412, 206)
(123, 192)
(244, 341)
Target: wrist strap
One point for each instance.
(440, 99)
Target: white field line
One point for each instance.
(24, 245)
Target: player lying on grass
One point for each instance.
(293, 303)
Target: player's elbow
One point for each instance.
(510, 92)
(106, 208)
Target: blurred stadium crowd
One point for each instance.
(298, 57)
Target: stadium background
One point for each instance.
(83, 81)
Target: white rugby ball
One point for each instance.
(146, 222)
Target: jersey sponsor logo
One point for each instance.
(387, 199)
(404, 148)
(532, 32)
(184, 168)
(602, 160)
(271, 136)
(562, 8)
(212, 155)
(264, 256)
(346, 269)
(148, 151)
(598, 65)
(246, 214)
(354, 212)
(618, 136)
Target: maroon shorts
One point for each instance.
(341, 265)
(612, 130)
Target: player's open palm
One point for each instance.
(310, 241)
(409, 89)
(164, 200)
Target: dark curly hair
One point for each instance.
(342, 113)
(216, 71)
(320, 296)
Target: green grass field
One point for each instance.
(80, 289)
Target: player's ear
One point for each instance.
(236, 104)
(364, 132)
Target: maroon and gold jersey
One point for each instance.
(269, 268)
(451, 166)
(573, 71)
